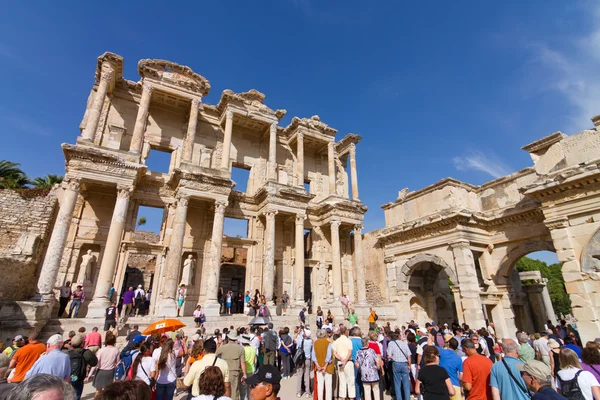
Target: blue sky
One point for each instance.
(436, 89)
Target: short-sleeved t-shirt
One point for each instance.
(476, 371)
(249, 356)
(232, 353)
(375, 347)
(500, 378)
(452, 363)
(111, 313)
(367, 361)
(25, 357)
(145, 369)
(434, 382)
(585, 379)
(197, 368)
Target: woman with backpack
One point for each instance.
(572, 381)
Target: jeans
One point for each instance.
(358, 384)
(401, 380)
(165, 391)
(78, 386)
(75, 304)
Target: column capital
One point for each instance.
(270, 213)
(124, 191)
(229, 114)
(331, 145)
(71, 184)
(183, 200)
(557, 223)
(300, 136)
(107, 73)
(273, 128)
(220, 206)
(196, 101)
(358, 229)
(459, 244)
(352, 149)
(300, 218)
(148, 88)
(336, 223)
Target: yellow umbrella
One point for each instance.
(164, 325)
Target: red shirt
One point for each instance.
(93, 339)
(375, 347)
(476, 371)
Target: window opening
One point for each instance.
(159, 160)
(240, 175)
(234, 227)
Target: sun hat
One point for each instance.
(538, 369)
(553, 344)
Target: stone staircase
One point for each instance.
(374, 297)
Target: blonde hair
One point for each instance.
(568, 359)
(373, 336)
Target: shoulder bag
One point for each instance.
(523, 388)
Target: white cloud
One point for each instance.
(574, 75)
(478, 161)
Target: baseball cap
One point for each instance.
(538, 369)
(265, 373)
(17, 338)
(55, 339)
(139, 339)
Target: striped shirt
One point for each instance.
(398, 351)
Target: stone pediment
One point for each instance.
(174, 74)
(251, 102)
(312, 125)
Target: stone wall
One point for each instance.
(26, 220)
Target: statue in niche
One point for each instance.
(87, 261)
(330, 282)
(189, 267)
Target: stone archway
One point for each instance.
(407, 269)
(514, 254)
(590, 256)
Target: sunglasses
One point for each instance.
(252, 387)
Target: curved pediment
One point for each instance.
(175, 74)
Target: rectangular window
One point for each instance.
(148, 224)
(240, 175)
(234, 227)
(159, 160)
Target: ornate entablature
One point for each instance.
(282, 196)
(344, 145)
(428, 227)
(250, 103)
(112, 59)
(173, 74)
(311, 127)
(347, 211)
(201, 185)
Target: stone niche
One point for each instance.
(590, 257)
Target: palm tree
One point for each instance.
(47, 182)
(11, 176)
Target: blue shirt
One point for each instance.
(308, 345)
(54, 363)
(575, 349)
(452, 363)
(356, 346)
(500, 379)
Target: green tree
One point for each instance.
(141, 221)
(47, 182)
(11, 176)
(556, 284)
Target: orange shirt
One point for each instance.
(476, 371)
(372, 316)
(25, 357)
(191, 360)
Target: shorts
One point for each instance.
(108, 324)
(180, 302)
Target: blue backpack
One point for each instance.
(124, 364)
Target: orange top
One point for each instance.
(372, 316)
(192, 360)
(25, 357)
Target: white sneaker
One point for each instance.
(308, 396)
(298, 395)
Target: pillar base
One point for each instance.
(166, 308)
(212, 309)
(97, 308)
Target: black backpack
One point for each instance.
(570, 389)
(299, 356)
(270, 341)
(78, 365)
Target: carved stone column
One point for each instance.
(300, 158)
(460, 316)
(141, 120)
(191, 130)
(106, 276)
(299, 265)
(272, 174)
(268, 280)
(214, 266)
(167, 303)
(336, 260)
(106, 76)
(547, 301)
(56, 246)
(353, 175)
(359, 265)
(331, 166)
(468, 283)
(227, 140)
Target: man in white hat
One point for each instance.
(54, 362)
(233, 354)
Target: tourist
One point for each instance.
(128, 297)
(319, 318)
(411, 340)
(372, 319)
(356, 339)
(196, 353)
(399, 353)
(64, 297)
(476, 372)
(228, 299)
(251, 360)
(554, 356)
(345, 300)
(211, 385)
(570, 344)
(265, 383)
(452, 363)
(270, 342)
(108, 358)
(538, 379)
(322, 357)
(93, 340)
(285, 300)
(80, 359)
(25, 357)
(139, 299)
(505, 378)
(147, 301)
(302, 316)
(285, 352)
(234, 355)
(198, 316)
(435, 379)
(526, 352)
(369, 364)
(111, 292)
(144, 366)
(78, 298)
(180, 299)
(130, 338)
(570, 370)
(247, 298)
(220, 299)
(342, 351)
(5, 387)
(590, 357)
(42, 387)
(54, 361)
(208, 359)
(111, 317)
(329, 319)
(540, 346)
(17, 342)
(304, 343)
(180, 349)
(458, 335)
(125, 390)
(166, 359)
(352, 318)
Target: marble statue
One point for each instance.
(189, 266)
(86, 262)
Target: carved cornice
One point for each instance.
(111, 60)
(97, 156)
(348, 143)
(251, 101)
(173, 73)
(313, 124)
(558, 223)
(566, 183)
(544, 143)
(420, 229)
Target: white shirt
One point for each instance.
(255, 342)
(541, 345)
(585, 379)
(140, 291)
(149, 365)
(167, 374)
